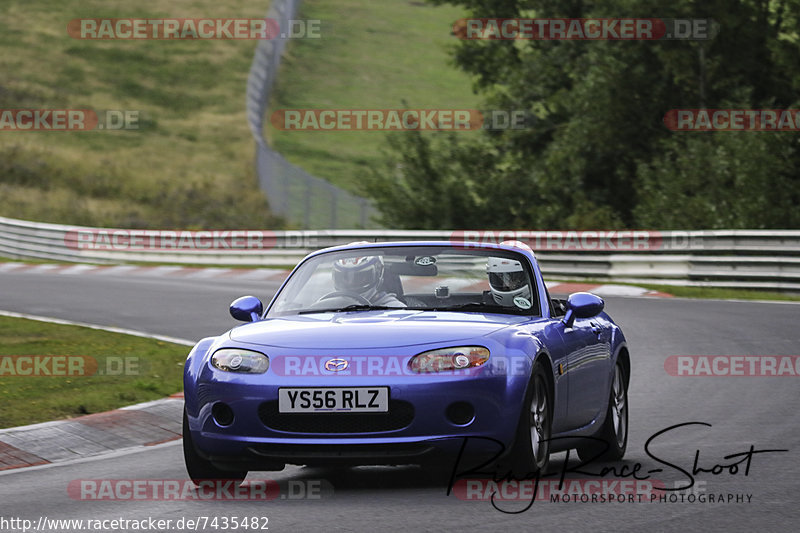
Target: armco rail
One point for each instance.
(763, 259)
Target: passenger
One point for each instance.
(507, 281)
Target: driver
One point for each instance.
(508, 282)
(363, 276)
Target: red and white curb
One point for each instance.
(255, 274)
(132, 427)
(608, 289)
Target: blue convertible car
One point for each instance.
(408, 353)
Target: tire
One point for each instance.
(531, 453)
(614, 432)
(200, 469)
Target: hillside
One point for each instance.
(190, 163)
(372, 55)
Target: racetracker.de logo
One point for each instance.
(370, 366)
(47, 365)
(67, 119)
(584, 29)
(733, 365)
(378, 119)
(207, 490)
(47, 119)
(613, 240)
(733, 119)
(172, 490)
(38, 366)
(397, 366)
(174, 29)
(134, 240)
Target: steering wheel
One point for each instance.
(354, 295)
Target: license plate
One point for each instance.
(334, 400)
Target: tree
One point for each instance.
(595, 152)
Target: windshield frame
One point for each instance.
(304, 270)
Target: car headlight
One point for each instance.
(444, 359)
(243, 361)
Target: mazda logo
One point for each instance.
(336, 365)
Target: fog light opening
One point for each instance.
(460, 413)
(223, 414)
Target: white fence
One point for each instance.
(762, 259)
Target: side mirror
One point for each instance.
(582, 305)
(247, 309)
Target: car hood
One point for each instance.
(370, 329)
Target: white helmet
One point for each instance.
(508, 281)
(360, 275)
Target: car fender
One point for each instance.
(523, 349)
(191, 371)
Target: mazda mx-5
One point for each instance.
(408, 353)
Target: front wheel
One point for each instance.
(201, 469)
(614, 433)
(531, 453)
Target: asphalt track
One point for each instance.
(743, 411)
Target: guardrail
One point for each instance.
(759, 259)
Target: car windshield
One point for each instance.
(410, 277)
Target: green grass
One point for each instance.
(30, 399)
(372, 55)
(190, 165)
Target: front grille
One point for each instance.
(399, 416)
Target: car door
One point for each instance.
(551, 336)
(588, 348)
